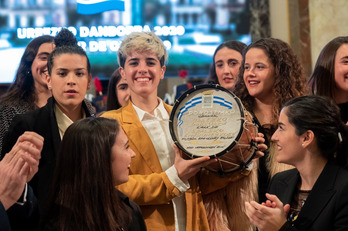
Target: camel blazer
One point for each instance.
(151, 188)
(326, 207)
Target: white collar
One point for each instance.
(159, 112)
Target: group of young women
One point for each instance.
(269, 75)
(73, 205)
(84, 158)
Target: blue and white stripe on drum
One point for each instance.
(193, 102)
(222, 102)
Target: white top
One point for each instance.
(63, 121)
(157, 127)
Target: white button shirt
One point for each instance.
(157, 127)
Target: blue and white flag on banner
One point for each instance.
(98, 6)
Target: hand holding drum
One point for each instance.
(209, 120)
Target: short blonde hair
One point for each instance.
(142, 42)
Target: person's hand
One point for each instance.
(261, 146)
(18, 166)
(272, 204)
(267, 218)
(188, 168)
(31, 143)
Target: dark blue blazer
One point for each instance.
(326, 208)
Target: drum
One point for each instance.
(209, 120)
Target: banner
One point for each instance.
(88, 7)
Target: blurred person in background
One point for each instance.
(118, 91)
(29, 90)
(330, 74)
(227, 59)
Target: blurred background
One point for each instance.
(190, 29)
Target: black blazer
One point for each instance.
(137, 224)
(43, 122)
(326, 208)
(4, 222)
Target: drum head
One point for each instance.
(207, 120)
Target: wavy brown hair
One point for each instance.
(288, 75)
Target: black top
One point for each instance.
(4, 222)
(326, 206)
(137, 224)
(43, 122)
(9, 110)
(263, 174)
(344, 111)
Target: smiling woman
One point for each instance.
(330, 74)
(29, 90)
(155, 183)
(167, 187)
(69, 77)
(270, 74)
(94, 165)
(313, 196)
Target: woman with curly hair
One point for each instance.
(225, 207)
(270, 75)
(329, 77)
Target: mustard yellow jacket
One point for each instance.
(151, 188)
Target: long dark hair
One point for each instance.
(233, 45)
(322, 116)
(83, 196)
(23, 88)
(112, 100)
(288, 75)
(322, 80)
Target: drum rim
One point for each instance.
(188, 92)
